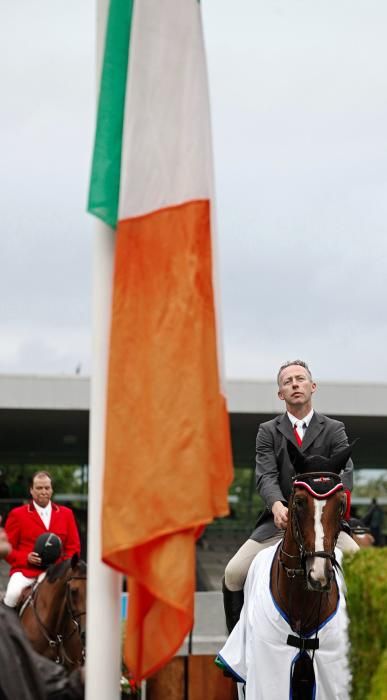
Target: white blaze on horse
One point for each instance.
(291, 641)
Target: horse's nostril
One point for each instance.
(319, 585)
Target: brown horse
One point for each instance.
(303, 581)
(291, 639)
(54, 613)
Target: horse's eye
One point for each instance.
(299, 502)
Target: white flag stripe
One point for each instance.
(162, 166)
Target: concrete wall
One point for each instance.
(244, 396)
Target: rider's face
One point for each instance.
(41, 490)
(296, 387)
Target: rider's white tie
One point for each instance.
(45, 514)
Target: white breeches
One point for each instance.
(15, 586)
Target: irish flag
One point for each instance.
(168, 458)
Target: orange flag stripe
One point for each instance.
(168, 459)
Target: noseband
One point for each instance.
(321, 487)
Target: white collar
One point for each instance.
(46, 510)
(294, 421)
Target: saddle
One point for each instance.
(27, 594)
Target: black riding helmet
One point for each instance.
(49, 548)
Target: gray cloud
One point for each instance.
(46, 71)
(299, 108)
(301, 173)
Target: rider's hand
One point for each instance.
(280, 513)
(34, 559)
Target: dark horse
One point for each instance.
(303, 581)
(54, 613)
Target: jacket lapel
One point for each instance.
(33, 513)
(314, 428)
(285, 427)
(54, 515)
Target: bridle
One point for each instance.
(75, 616)
(305, 620)
(58, 641)
(305, 553)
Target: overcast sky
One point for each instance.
(299, 109)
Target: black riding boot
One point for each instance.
(7, 607)
(233, 604)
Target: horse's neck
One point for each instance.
(51, 608)
(305, 609)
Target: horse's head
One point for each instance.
(71, 575)
(55, 620)
(316, 506)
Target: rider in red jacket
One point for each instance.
(23, 527)
(24, 673)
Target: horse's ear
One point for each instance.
(338, 461)
(296, 457)
(74, 560)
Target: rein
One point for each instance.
(304, 553)
(300, 641)
(294, 567)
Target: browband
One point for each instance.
(319, 485)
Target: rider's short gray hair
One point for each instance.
(301, 363)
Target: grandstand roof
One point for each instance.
(44, 419)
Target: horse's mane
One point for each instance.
(57, 571)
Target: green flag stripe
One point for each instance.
(106, 166)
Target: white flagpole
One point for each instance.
(103, 634)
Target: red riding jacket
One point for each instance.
(24, 525)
